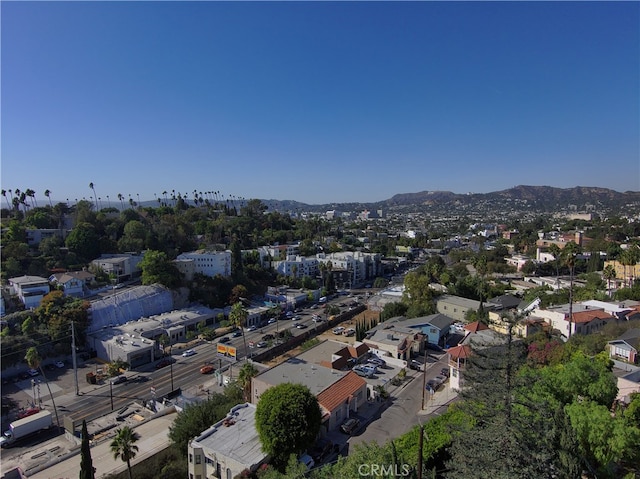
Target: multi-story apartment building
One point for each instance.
(208, 263)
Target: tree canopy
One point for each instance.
(288, 421)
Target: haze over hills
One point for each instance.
(541, 198)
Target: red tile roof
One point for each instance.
(359, 350)
(588, 316)
(460, 352)
(341, 391)
(476, 326)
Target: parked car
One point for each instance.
(268, 337)
(33, 372)
(163, 363)
(444, 372)
(416, 365)
(338, 330)
(262, 344)
(119, 380)
(434, 347)
(28, 412)
(59, 364)
(272, 320)
(321, 450)
(377, 361)
(349, 332)
(370, 367)
(350, 425)
(361, 372)
(207, 369)
(188, 352)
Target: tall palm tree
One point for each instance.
(123, 446)
(570, 253)
(238, 316)
(247, 372)
(609, 273)
(554, 249)
(4, 193)
(47, 193)
(32, 357)
(95, 197)
(121, 198)
(31, 194)
(108, 202)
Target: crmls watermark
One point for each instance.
(384, 470)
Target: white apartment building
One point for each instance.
(360, 266)
(30, 289)
(298, 266)
(122, 266)
(208, 263)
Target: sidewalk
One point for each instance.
(441, 398)
(153, 438)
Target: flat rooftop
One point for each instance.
(302, 371)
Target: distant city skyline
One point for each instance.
(317, 102)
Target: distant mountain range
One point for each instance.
(539, 198)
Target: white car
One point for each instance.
(251, 328)
(188, 352)
(338, 330)
(272, 320)
(59, 364)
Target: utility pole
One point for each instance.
(420, 440)
(73, 358)
(424, 377)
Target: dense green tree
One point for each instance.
(247, 372)
(157, 268)
(288, 421)
(87, 471)
(392, 310)
(196, 418)
(123, 446)
(238, 317)
(84, 241)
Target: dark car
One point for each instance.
(350, 425)
(321, 450)
(237, 334)
(163, 363)
(268, 337)
(224, 340)
(434, 347)
(444, 372)
(119, 380)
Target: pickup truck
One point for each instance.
(25, 427)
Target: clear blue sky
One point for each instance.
(318, 102)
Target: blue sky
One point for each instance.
(318, 102)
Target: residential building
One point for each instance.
(120, 266)
(341, 400)
(585, 319)
(457, 358)
(297, 266)
(29, 289)
(73, 283)
(626, 347)
(227, 448)
(457, 307)
(397, 341)
(205, 262)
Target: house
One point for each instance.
(342, 400)
(30, 289)
(73, 283)
(120, 266)
(397, 342)
(584, 320)
(457, 307)
(229, 447)
(626, 346)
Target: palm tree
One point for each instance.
(95, 197)
(123, 446)
(554, 249)
(32, 357)
(247, 372)
(569, 253)
(609, 273)
(238, 317)
(121, 198)
(4, 193)
(47, 193)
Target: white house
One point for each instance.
(30, 289)
(73, 283)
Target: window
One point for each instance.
(190, 457)
(198, 459)
(454, 372)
